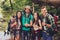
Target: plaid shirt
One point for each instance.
(49, 20)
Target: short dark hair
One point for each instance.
(42, 7)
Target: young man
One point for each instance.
(48, 24)
(27, 19)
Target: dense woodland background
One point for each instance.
(9, 8)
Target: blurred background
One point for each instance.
(9, 8)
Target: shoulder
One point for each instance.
(31, 15)
(50, 16)
(23, 12)
(39, 20)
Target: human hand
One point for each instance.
(26, 25)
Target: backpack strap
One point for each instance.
(51, 20)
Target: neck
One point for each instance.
(46, 15)
(27, 13)
(35, 19)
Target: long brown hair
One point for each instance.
(37, 18)
(17, 16)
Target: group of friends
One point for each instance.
(30, 26)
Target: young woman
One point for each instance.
(10, 22)
(36, 26)
(18, 20)
(17, 26)
(9, 25)
(12, 27)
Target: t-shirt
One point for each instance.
(44, 20)
(26, 20)
(19, 24)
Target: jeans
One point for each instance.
(46, 36)
(25, 35)
(36, 35)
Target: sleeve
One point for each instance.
(52, 21)
(31, 18)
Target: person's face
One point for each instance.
(44, 11)
(35, 16)
(19, 14)
(27, 10)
